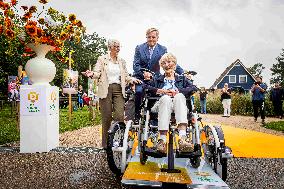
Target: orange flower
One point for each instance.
(79, 23)
(27, 15)
(31, 30)
(25, 7)
(70, 28)
(32, 9)
(72, 17)
(44, 39)
(8, 22)
(33, 23)
(63, 36)
(14, 2)
(41, 21)
(10, 33)
(43, 1)
(4, 6)
(1, 29)
(39, 32)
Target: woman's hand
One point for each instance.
(161, 91)
(88, 73)
(137, 81)
(172, 92)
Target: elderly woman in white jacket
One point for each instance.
(111, 72)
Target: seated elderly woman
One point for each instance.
(173, 90)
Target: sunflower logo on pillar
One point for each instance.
(53, 99)
(33, 97)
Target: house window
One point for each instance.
(232, 78)
(242, 78)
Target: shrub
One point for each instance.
(278, 126)
(241, 104)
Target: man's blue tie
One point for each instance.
(151, 52)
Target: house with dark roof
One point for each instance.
(237, 76)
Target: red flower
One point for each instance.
(14, 2)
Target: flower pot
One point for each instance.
(39, 69)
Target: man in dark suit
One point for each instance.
(147, 56)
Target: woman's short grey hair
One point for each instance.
(112, 42)
(167, 57)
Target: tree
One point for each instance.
(11, 52)
(256, 69)
(86, 53)
(278, 70)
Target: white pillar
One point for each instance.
(39, 118)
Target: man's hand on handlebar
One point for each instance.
(147, 75)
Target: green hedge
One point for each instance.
(278, 126)
(241, 104)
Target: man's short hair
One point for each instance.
(152, 30)
(260, 77)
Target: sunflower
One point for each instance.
(70, 28)
(27, 15)
(63, 36)
(43, 1)
(41, 21)
(31, 30)
(79, 23)
(25, 7)
(33, 23)
(72, 17)
(10, 33)
(8, 22)
(32, 9)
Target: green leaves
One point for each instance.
(278, 70)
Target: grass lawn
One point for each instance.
(8, 123)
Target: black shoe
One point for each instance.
(263, 121)
(255, 119)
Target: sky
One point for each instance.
(205, 35)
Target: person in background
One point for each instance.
(276, 96)
(111, 72)
(202, 97)
(258, 91)
(226, 100)
(147, 55)
(80, 97)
